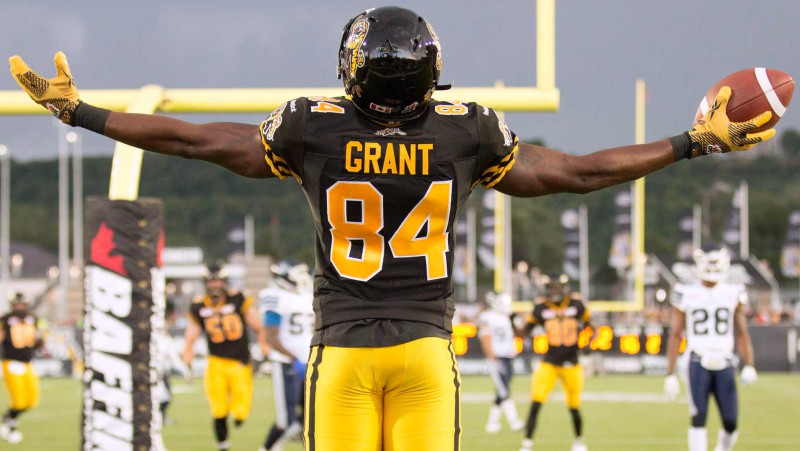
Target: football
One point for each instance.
(753, 91)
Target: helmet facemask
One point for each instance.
(712, 266)
(556, 287)
(499, 302)
(293, 277)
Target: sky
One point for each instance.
(679, 47)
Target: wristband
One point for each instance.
(90, 117)
(681, 146)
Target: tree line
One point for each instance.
(203, 202)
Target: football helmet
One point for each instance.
(556, 286)
(18, 302)
(292, 276)
(390, 61)
(500, 302)
(215, 280)
(713, 264)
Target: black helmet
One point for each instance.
(556, 286)
(215, 271)
(390, 60)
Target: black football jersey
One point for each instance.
(562, 323)
(20, 336)
(385, 199)
(224, 326)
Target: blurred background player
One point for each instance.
(169, 360)
(289, 321)
(20, 338)
(496, 334)
(222, 314)
(561, 315)
(710, 311)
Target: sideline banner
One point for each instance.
(124, 308)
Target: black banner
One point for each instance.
(790, 251)
(124, 292)
(685, 235)
(619, 255)
(731, 235)
(570, 233)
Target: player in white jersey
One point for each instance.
(497, 341)
(289, 319)
(711, 313)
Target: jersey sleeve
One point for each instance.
(678, 297)
(497, 150)
(742, 296)
(584, 315)
(282, 138)
(194, 314)
(247, 302)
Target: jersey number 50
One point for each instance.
(433, 211)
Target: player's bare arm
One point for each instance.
(743, 342)
(254, 322)
(486, 345)
(234, 146)
(677, 327)
(538, 170)
(274, 340)
(191, 335)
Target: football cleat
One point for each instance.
(578, 445)
(14, 437)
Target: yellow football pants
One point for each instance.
(404, 397)
(22, 384)
(229, 387)
(544, 379)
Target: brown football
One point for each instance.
(753, 91)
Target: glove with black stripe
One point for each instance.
(715, 133)
(58, 94)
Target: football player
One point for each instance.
(386, 169)
(222, 314)
(289, 320)
(496, 333)
(562, 316)
(20, 338)
(711, 313)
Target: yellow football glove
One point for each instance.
(59, 94)
(715, 133)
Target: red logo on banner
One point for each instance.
(160, 249)
(102, 247)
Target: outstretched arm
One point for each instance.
(234, 146)
(538, 170)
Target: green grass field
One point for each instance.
(620, 413)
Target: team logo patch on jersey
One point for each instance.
(270, 126)
(507, 140)
(391, 131)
